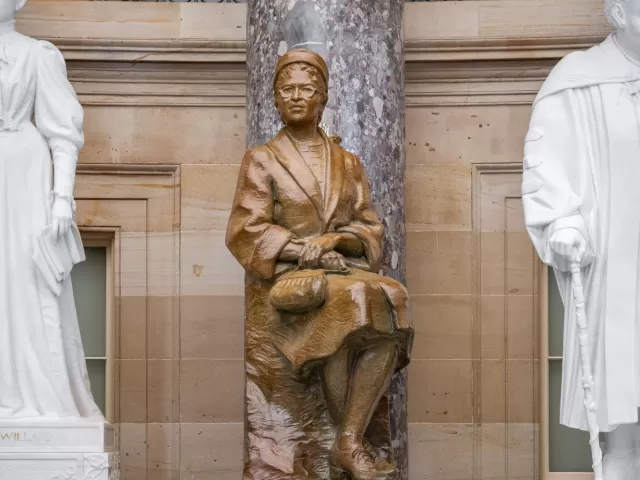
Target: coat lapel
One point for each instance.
(290, 158)
(334, 177)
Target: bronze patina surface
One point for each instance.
(324, 331)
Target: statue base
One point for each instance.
(59, 466)
(59, 449)
(56, 436)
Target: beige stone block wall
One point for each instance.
(163, 91)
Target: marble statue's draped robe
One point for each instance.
(277, 199)
(42, 365)
(582, 170)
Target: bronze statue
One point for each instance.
(324, 331)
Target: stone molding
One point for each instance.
(197, 77)
(457, 53)
(220, 51)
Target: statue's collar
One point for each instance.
(626, 54)
(7, 27)
(601, 64)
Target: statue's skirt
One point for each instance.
(360, 309)
(42, 366)
(288, 428)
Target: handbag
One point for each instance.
(299, 291)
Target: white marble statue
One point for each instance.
(42, 368)
(581, 196)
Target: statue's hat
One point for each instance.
(303, 55)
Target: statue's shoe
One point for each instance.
(620, 466)
(357, 463)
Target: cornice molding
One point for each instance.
(483, 49)
(481, 82)
(232, 51)
(192, 73)
(159, 84)
(151, 51)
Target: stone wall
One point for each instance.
(163, 86)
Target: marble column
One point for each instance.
(362, 43)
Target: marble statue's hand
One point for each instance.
(568, 243)
(333, 261)
(62, 216)
(315, 248)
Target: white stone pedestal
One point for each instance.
(46, 449)
(59, 466)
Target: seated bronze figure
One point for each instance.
(324, 331)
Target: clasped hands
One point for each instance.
(319, 252)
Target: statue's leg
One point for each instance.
(370, 377)
(335, 383)
(619, 460)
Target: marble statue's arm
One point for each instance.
(58, 116)
(252, 237)
(364, 225)
(554, 178)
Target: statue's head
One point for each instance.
(624, 16)
(300, 87)
(8, 9)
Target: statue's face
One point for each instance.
(7, 10)
(628, 19)
(299, 99)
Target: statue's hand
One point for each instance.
(315, 248)
(62, 216)
(333, 261)
(568, 243)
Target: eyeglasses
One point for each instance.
(306, 91)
